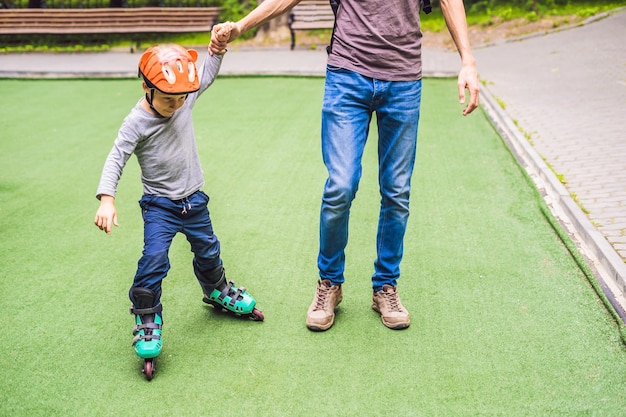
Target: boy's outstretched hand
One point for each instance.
(106, 216)
(221, 34)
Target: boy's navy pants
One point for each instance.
(163, 219)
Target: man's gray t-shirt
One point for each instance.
(379, 39)
(165, 147)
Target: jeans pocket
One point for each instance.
(204, 196)
(145, 203)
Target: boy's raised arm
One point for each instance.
(264, 12)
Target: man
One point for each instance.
(374, 66)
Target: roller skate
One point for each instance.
(147, 330)
(224, 295)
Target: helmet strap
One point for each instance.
(149, 100)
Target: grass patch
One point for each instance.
(503, 320)
(487, 13)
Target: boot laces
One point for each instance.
(322, 296)
(392, 299)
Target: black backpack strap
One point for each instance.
(426, 7)
(334, 4)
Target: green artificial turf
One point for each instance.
(504, 321)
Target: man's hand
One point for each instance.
(221, 35)
(264, 12)
(106, 216)
(454, 14)
(468, 79)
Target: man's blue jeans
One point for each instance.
(350, 99)
(163, 219)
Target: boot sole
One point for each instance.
(392, 326)
(317, 328)
(322, 328)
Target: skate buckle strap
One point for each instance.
(225, 291)
(146, 326)
(234, 296)
(143, 311)
(146, 337)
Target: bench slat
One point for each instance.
(132, 20)
(103, 30)
(311, 26)
(310, 15)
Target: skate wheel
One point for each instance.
(257, 315)
(148, 369)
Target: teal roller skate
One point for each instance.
(148, 326)
(223, 295)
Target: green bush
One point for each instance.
(479, 12)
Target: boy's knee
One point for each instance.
(144, 298)
(209, 279)
(155, 262)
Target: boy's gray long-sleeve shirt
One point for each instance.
(165, 147)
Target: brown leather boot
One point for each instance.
(387, 303)
(321, 313)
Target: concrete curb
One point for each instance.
(607, 265)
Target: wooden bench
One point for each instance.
(133, 21)
(310, 15)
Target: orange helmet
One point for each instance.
(170, 68)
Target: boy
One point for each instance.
(159, 131)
